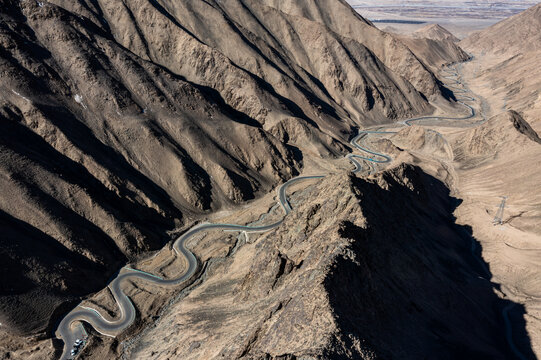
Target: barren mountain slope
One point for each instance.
(292, 54)
(345, 21)
(502, 38)
(434, 52)
(481, 165)
(100, 152)
(503, 158)
(122, 120)
(435, 32)
(506, 69)
(435, 46)
(357, 265)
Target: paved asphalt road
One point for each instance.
(70, 328)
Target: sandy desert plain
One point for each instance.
(460, 17)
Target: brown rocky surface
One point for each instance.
(502, 37)
(435, 46)
(479, 163)
(347, 23)
(123, 121)
(482, 164)
(506, 70)
(358, 263)
(435, 32)
(418, 139)
(502, 158)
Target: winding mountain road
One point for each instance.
(70, 327)
(112, 328)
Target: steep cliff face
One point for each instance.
(119, 120)
(357, 264)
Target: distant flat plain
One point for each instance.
(459, 17)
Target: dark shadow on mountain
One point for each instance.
(297, 155)
(288, 103)
(64, 273)
(243, 184)
(323, 106)
(214, 97)
(166, 13)
(192, 168)
(83, 138)
(33, 147)
(415, 288)
(30, 288)
(370, 101)
(447, 93)
(321, 87)
(423, 96)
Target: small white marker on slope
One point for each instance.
(79, 100)
(18, 94)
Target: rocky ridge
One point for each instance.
(334, 286)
